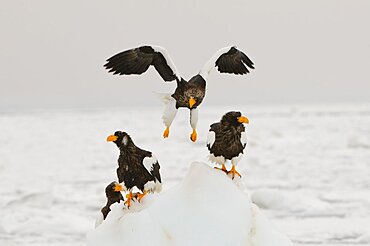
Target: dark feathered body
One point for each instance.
(136, 167)
(227, 137)
(196, 88)
(131, 170)
(228, 140)
(112, 197)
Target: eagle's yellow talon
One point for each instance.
(193, 135)
(233, 172)
(129, 198)
(141, 196)
(223, 168)
(166, 132)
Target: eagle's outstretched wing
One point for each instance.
(228, 60)
(138, 60)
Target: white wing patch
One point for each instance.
(211, 137)
(149, 162)
(243, 138)
(211, 63)
(169, 61)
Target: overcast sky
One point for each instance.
(52, 52)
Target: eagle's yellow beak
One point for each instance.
(192, 101)
(243, 119)
(118, 187)
(111, 138)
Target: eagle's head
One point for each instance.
(121, 139)
(234, 118)
(113, 191)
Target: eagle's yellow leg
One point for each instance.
(166, 132)
(193, 135)
(233, 172)
(223, 168)
(140, 196)
(129, 197)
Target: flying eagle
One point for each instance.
(136, 167)
(227, 140)
(188, 94)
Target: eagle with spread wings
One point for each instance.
(188, 94)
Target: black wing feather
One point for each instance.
(130, 64)
(234, 61)
(138, 60)
(162, 67)
(215, 127)
(155, 172)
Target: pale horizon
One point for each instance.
(309, 52)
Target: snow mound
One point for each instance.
(206, 208)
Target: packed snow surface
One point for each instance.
(210, 210)
(306, 167)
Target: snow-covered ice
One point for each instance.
(206, 208)
(307, 167)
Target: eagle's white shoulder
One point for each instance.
(169, 61)
(211, 137)
(148, 162)
(243, 138)
(211, 63)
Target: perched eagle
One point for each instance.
(113, 194)
(136, 167)
(227, 139)
(188, 94)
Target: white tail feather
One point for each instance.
(164, 97)
(153, 186)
